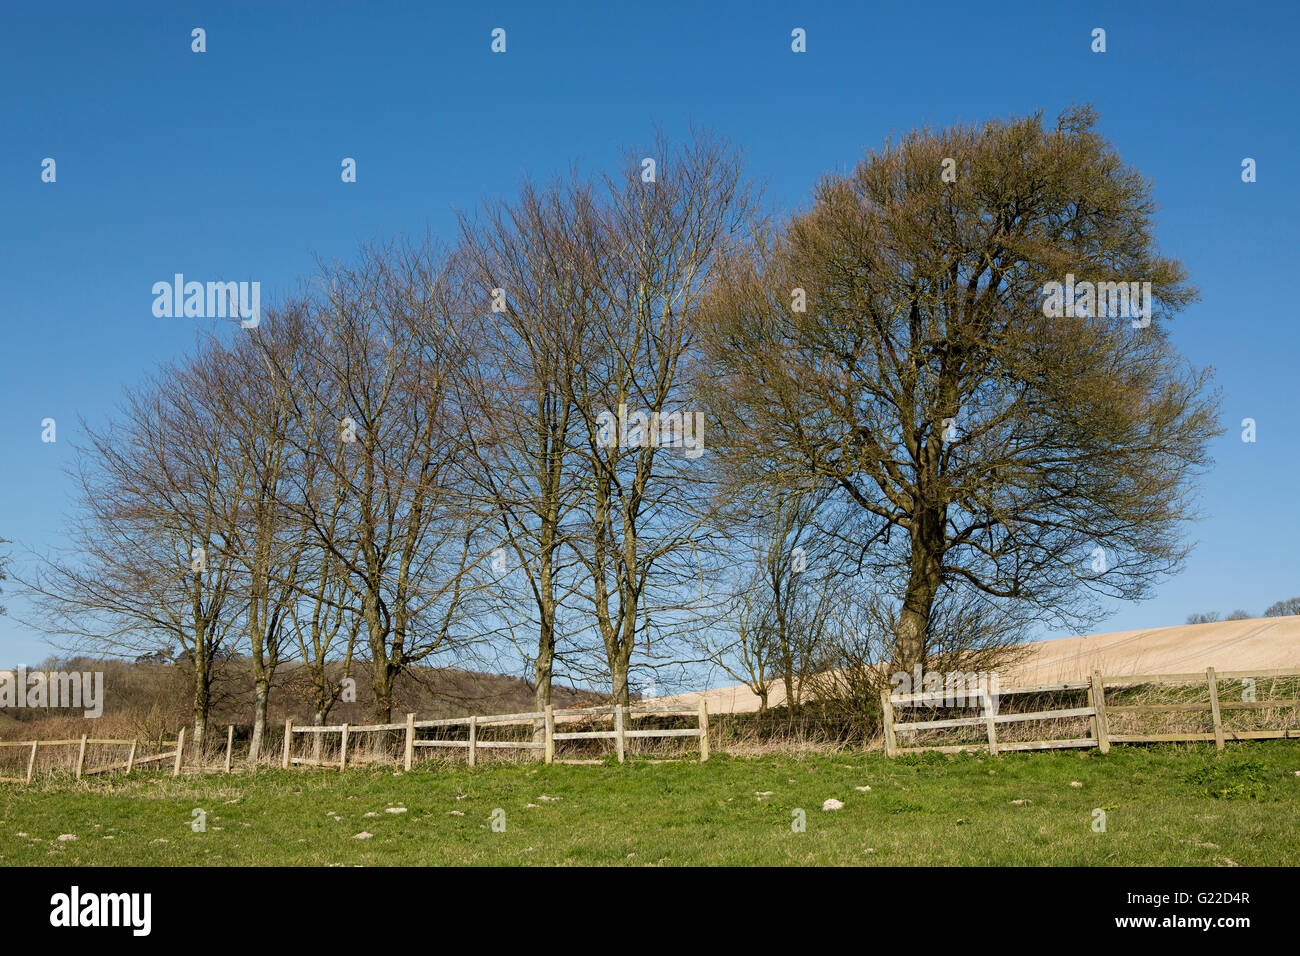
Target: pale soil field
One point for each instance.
(1263, 643)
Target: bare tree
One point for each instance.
(1283, 608)
(658, 242)
(520, 266)
(376, 425)
(152, 563)
(257, 408)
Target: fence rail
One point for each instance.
(543, 723)
(1098, 712)
(132, 761)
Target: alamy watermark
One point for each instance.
(50, 689)
(639, 429)
(1085, 300)
(211, 300)
(76, 909)
(948, 688)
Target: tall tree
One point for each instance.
(257, 408)
(519, 264)
(152, 563)
(376, 418)
(897, 344)
(659, 240)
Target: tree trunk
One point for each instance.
(543, 671)
(261, 698)
(200, 731)
(922, 586)
(381, 678)
(618, 675)
(202, 703)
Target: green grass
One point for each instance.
(1174, 805)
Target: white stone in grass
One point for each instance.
(763, 793)
(363, 835)
(65, 837)
(1020, 803)
(548, 799)
(457, 813)
(833, 804)
(396, 810)
(370, 814)
(862, 789)
(1076, 783)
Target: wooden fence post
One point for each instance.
(180, 753)
(1097, 691)
(130, 757)
(704, 731)
(409, 755)
(81, 756)
(549, 752)
(473, 740)
(31, 761)
(343, 750)
(230, 744)
(887, 722)
(288, 743)
(619, 741)
(989, 724)
(1214, 707)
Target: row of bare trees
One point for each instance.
(625, 421)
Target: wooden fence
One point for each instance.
(543, 724)
(132, 761)
(1098, 712)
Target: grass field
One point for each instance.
(1173, 805)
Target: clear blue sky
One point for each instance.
(226, 165)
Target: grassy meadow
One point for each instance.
(1172, 805)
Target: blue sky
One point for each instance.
(226, 165)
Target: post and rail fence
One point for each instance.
(547, 726)
(543, 723)
(1098, 712)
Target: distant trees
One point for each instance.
(1283, 608)
(1276, 609)
(1279, 609)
